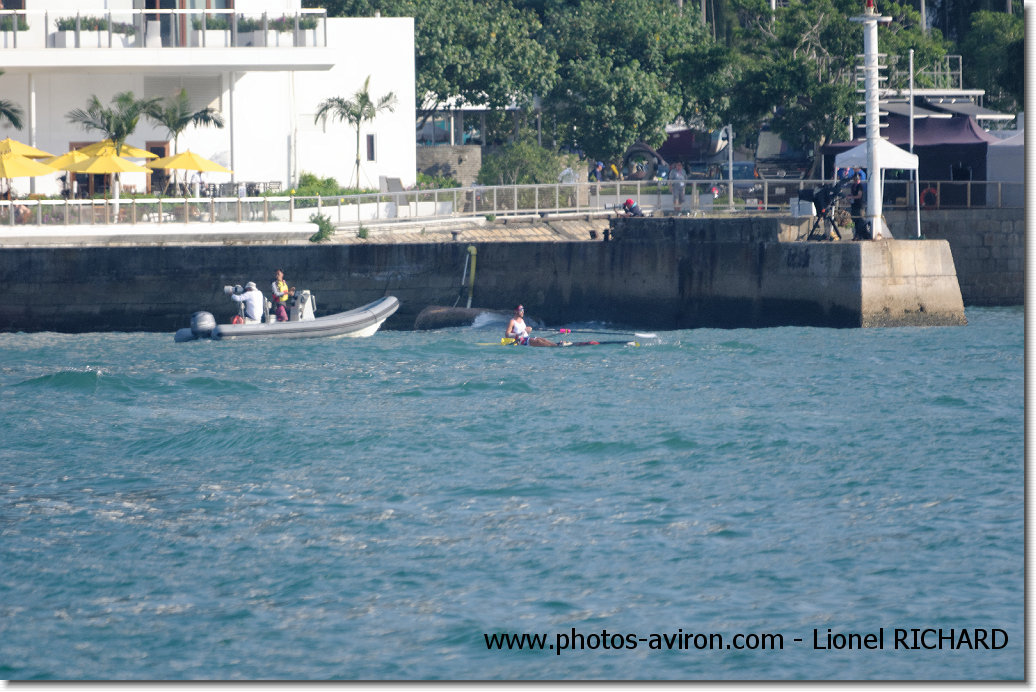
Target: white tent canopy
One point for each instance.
(888, 156)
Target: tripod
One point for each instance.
(819, 230)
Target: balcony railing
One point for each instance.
(193, 28)
(705, 198)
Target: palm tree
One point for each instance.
(356, 111)
(117, 122)
(175, 115)
(11, 112)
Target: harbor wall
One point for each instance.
(653, 273)
(988, 247)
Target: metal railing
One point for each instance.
(708, 197)
(168, 28)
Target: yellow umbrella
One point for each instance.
(106, 163)
(17, 166)
(188, 161)
(65, 160)
(14, 146)
(127, 150)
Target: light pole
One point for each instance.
(730, 166)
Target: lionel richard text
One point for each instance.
(911, 638)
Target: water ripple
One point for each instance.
(367, 509)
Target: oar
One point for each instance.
(639, 335)
(600, 343)
(508, 341)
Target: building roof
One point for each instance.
(903, 109)
(963, 106)
(957, 129)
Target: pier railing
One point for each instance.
(704, 198)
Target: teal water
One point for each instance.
(372, 508)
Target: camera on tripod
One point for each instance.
(825, 196)
(823, 199)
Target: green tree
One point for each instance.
(798, 65)
(704, 75)
(793, 70)
(616, 80)
(992, 49)
(481, 53)
(11, 112)
(176, 115)
(361, 108)
(489, 58)
(116, 122)
(953, 17)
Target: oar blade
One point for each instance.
(639, 335)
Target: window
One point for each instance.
(370, 148)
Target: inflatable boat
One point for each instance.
(359, 322)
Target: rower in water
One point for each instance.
(521, 333)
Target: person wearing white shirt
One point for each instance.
(252, 300)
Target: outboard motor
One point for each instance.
(202, 324)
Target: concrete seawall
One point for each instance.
(988, 247)
(655, 273)
(739, 274)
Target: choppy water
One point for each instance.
(373, 508)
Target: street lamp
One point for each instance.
(729, 134)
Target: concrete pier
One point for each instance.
(654, 273)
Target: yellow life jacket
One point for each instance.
(281, 292)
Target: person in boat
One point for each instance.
(281, 295)
(630, 208)
(521, 333)
(516, 328)
(252, 301)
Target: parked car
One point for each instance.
(746, 179)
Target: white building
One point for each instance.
(266, 84)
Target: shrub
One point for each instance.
(310, 185)
(325, 229)
(521, 162)
(213, 22)
(6, 23)
(282, 23)
(94, 24)
(286, 23)
(435, 182)
(245, 24)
